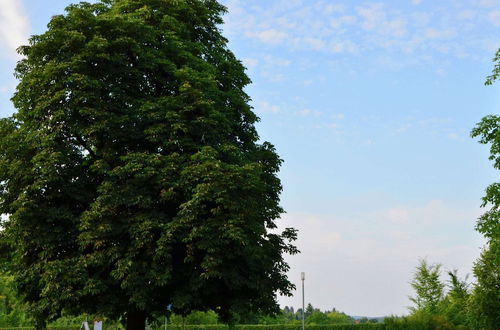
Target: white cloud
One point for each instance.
(273, 76)
(285, 5)
(375, 19)
(329, 9)
(416, 2)
(397, 215)
(457, 136)
(372, 16)
(403, 128)
(250, 63)
(276, 61)
(489, 3)
(341, 21)
(421, 18)
(439, 34)
(294, 26)
(441, 71)
(320, 26)
(14, 27)
(314, 43)
(309, 112)
(270, 36)
(467, 14)
(494, 17)
(304, 112)
(345, 46)
(490, 44)
(267, 107)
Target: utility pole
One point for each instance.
(303, 277)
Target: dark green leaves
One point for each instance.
(131, 171)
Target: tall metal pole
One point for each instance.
(303, 277)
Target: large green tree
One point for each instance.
(486, 294)
(132, 173)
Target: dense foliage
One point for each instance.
(487, 268)
(131, 172)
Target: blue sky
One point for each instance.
(370, 104)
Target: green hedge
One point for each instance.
(392, 324)
(362, 326)
(398, 325)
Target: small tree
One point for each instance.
(428, 288)
(309, 310)
(458, 288)
(317, 317)
(455, 304)
(335, 317)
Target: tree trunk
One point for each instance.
(40, 324)
(136, 320)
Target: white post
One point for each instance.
(303, 277)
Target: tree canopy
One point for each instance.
(132, 171)
(486, 295)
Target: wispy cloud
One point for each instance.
(14, 27)
(494, 17)
(439, 34)
(269, 36)
(273, 61)
(360, 28)
(309, 112)
(375, 18)
(250, 63)
(489, 3)
(267, 107)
